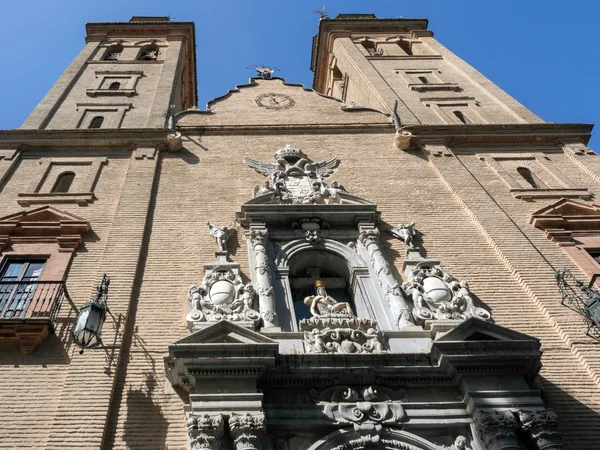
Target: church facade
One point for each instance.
(370, 263)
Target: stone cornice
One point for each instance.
(538, 133)
(290, 129)
(129, 138)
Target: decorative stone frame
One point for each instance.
(560, 188)
(113, 114)
(466, 105)
(575, 227)
(436, 83)
(39, 191)
(104, 78)
(44, 232)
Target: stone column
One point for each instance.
(369, 237)
(541, 427)
(247, 431)
(496, 430)
(264, 285)
(205, 431)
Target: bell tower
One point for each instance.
(396, 64)
(129, 75)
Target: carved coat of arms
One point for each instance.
(295, 177)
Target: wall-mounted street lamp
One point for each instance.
(585, 300)
(87, 332)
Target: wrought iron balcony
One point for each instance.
(28, 311)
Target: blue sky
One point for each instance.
(545, 53)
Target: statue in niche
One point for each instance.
(405, 232)
(221, 234)
(333, 327)
(322, 304)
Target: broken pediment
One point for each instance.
(566, 217)
(43, 224)
(274, 102)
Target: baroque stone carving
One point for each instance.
(221, 235)
(296, 178)
(369, 238)
(205, 431)
(333, 327)
(460, 443)
(247, 431)
(406, 233)
(497, 429)
(222, 295)
(258, 238)
(366, 409)
(262, 190)
(541, 426)
(312, 229)
(438, 295)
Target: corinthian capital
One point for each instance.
(497, 429)
(247, 430)
(541, 427)
(257, 237)
(205, 431)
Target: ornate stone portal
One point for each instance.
(333, 327)
(296, 178)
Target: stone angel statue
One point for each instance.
(221, 234)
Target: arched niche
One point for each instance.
(339, 265)
(348, 439)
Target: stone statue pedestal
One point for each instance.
(341, 333)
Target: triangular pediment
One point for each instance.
(568, 207)
(342, 199)
(478, 330)
(225, 332)
(44, 224)
(44, 214)
(276, 102)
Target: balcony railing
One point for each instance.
(31, 299)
